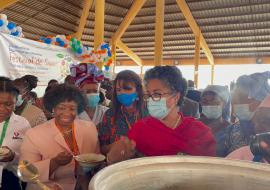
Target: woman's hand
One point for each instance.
(63, 158)
(56, 187)
(9, 157)
(266, 149)
(121, 150)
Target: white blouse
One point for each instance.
(15, 132)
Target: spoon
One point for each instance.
(27, 172)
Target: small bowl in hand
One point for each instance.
(89, 160)
(3, 152)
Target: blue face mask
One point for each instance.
(127, 99)
(93, 100)
(158, 109)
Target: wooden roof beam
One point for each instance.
(159, 31)
(83, 19)
(135, 8)
(203, 61)
(195, 29)
(7, 3)
(129, 52)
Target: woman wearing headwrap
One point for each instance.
(249, 92)
(88, 78)
(214, 100)
(261, 121)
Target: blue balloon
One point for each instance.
(58, 40)
(109, 53)
(15, 33)
(48, 41)
(1, 22)
(107, 68)
(61, 43)
(79, 50)
(105, 46)
(11, 25)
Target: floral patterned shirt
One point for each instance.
(111, 128)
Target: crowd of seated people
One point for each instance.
(129, 117)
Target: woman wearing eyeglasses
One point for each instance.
(127, 108)
(166, 131)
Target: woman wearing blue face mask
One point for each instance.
(166, 131)
(127, 108)
(88, 80)
(249, 92)
(213, 100)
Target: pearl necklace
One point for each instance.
(177, 122)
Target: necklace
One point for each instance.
(177, 122)
(67, 132)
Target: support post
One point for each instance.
(197, 60)
(99, 26)
(212, 74)
(159, 32)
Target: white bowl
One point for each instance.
(90, 160)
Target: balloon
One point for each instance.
(11, 25)
(58, 40)
(61, 43)
(1, 22)
(5, 22)
(107, 68)
(3, 16)
(79, 50)
(48, 41)
(19, 29)
(13, 30)
(15, 33)
(68, 37)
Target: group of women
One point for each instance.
(144, 119)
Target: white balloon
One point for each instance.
(3, 16)
(13, 30)
(54, 39)
(5, 22)
(66, 41)
(19, 29)
(6, 30)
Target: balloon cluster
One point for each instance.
(101, 54)
(9, 27)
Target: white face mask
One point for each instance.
(158, 109)
(242, 112)
(212, 112)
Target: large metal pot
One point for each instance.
(182, 173)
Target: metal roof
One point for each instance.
(231, 28)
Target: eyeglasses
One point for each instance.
(155, 97)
